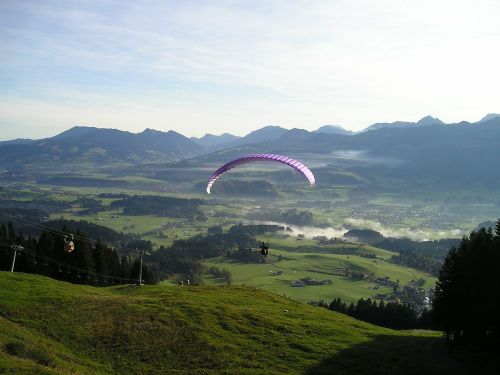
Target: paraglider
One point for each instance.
(298, 166)
(264, 248)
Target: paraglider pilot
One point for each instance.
(264, 248)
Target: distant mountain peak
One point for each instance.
(173, 132)
(429, 120)
(489, 116)
(158, 133)
(295, 134)
(75, 131)
(17, 141)
(424, 121)
(267, 133)
(149, 130)
(395, 124)
(333, 129)
(267, 129)
(215, 141)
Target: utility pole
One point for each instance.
(16, 248)
(140, 269)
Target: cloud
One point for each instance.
(307, 231)
(339, 231)
(297, 63)
(411, 233)
(363, 156)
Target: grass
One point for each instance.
(309, 245)
(396, 211)
(319, 266)
(51, 327)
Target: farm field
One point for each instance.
(300, 257)
(420, 216)
(320, 266)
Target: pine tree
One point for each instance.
(113, 262)
(4, 249)
(46, 247)
(3, 233)
(465, 302)
(147, 276)
(380, 313)
(101, 262)
(11, 233)
(80, 258)
(351, 309)
(335, 305)
(426, 320)
(124, 267)
(343, 308)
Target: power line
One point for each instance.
(44, 227)
(58, 232)
(35, 255)
(70, 267)
(62, 233)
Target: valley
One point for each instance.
(249, 187)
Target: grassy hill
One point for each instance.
(50, 327)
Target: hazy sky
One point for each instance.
(234, 66)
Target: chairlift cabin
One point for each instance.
(69, 245)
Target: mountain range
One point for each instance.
(95, 145)
(427, 150)
(425, 121)
(211, 142)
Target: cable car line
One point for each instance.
(58, 232)
(68, 267)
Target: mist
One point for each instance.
(339, 231)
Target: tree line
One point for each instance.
(35, 225)
(436, 249)
(291, 216)
(465, 305)
(391, 314)
(95, 257)
(418, 261)
(161, 206)
(221, 274)
(185, 256)
(261, 188)
(90, 263)
(465, 302)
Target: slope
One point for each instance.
(50, 327)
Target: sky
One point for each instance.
(213, 66)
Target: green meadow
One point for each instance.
(319, 266)
(52, 327)
(300, 258)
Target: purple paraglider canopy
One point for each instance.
(298, 166)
